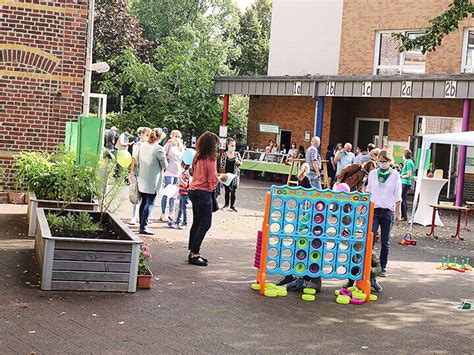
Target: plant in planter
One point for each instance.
(145, 275)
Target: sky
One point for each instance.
(244, 3)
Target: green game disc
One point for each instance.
(337, 292)
(271, 293)
(282, 292)
(300, 267)
(360, 295)
(309, 291)
(343, 299)
(302, 243)
(373, 297)
(315, 255)
(308, 297)
(255, 287)
(270, 286)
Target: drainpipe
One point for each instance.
(225, 113)
(88, 72)
(462, 153)
(318, 126)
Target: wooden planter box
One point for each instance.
(76, 264)
(34, 204)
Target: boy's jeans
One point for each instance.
(183, 201)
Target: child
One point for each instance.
(184, 181)
(374, 272)
(303, 179)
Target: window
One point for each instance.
(389, 61)
(468, 51)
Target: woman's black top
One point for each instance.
(331, 171)
(230, 165)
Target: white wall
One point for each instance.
(305, 37)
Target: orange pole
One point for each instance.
(364, 284)
(262, 273)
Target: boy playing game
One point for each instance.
(184, 181)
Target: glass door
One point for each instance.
(371, 130)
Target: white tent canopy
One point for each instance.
(456, 138)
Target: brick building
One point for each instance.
(342, 77)
(42, 60)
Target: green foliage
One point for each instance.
(254, 39)
(81, 221)
(54, 176)
(238, 117)
(3, 178)
(439, 27)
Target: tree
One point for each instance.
(440, 27)
(254, 39)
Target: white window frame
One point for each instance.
(465, 68)
(381, 122)
(402, 55)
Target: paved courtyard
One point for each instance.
(212, 310)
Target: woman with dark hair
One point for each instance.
(230, 163)
(201, 189)
(301, 153)
(407, 174)
(330, 163)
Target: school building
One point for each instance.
(335, 71)
(42, 60)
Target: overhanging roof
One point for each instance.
(453, 86)
(459, 138)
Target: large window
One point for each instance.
(468, 51)
(389, 61)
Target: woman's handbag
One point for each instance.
(133, 193)
(215, 204)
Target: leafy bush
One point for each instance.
(55, 176)
(81, 221)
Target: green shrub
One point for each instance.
(81, 221)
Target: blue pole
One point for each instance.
(319, 118)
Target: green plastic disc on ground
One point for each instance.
(270, 286)
(354, 289)
(343, 299)
(281, 288)
(360, 295)
(255, 287)
(302, 243)
(282, 292)
(270, 293)
(308, 297)
(337, 292)
(373, 297)
(309, 291)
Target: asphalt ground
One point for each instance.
(211, 309)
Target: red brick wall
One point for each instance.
(292, 113)
(42, 58)
(362, 18)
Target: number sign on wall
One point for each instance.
(297, 88)
(407, 88)
(330, 88)
(366, 88)
(450, 88)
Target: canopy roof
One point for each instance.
(461, 138)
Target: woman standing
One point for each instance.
(331, 165)
(174, 149)
(385, 189)
(151, 164)
(408, 171)
(205, 180)
(230, 163)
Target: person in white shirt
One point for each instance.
(385, 189)
(344, 158)
(123, 141)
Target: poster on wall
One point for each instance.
(271, 128)
(470, 160)
(397, 148)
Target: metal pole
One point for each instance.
(88, 72)
(319, 119)
(462, 153)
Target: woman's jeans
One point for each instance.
(230, 195)
(168, 180)
(384, 218)
(146, 206)
(202, 218)
(183, 202)
(405, 189)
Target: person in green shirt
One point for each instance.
(407, 174)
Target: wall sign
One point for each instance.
(271, 128)
(406, 89)
(297, 88)
(223, 131)
(307, 136)
(470, 160)
(366, 88)
(330, 88)
(450, 88)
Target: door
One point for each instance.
(285, 139)
(371, 130)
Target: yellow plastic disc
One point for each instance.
(343, 299)
(353, 289)
(282, 292)
(360, 295)
(337, 292)
(270, 293)
(308, 297)
(281, 288)
(270, 286)
(309, 291)
(255, 287)
(373, 297)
